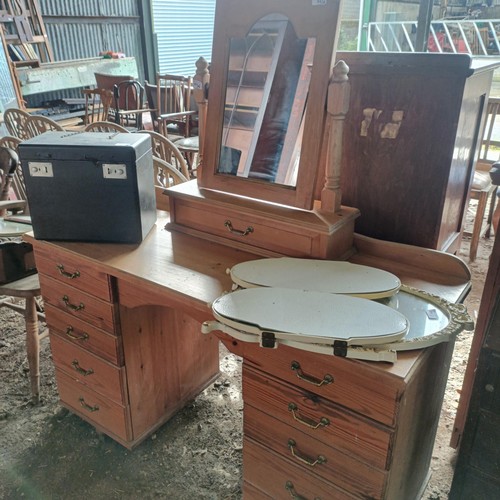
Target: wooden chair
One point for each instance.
(481, 190)
(166, 150)
(98, 103)
(21, 280)
(129, 104)
(482, 186)
(105, 127)
(15, 197)
(165, 175)
(172, 102)
(15, 122)
(37, 125)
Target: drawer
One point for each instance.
(312, 455)
(213, 220)
(357, 385)
(83, 366)
(276, 477)
(72, 270)
(79, 304)
(318, 418)
(84, 335)
(96, 409)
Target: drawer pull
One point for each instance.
(71, 306)
(292, 445)
(293, 494)
(69, 332)
(308, 422)
(327, 379)
(64, 273)
(239, 232)
(88, 407)
(80, 370)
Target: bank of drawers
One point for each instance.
(303, 423)
(85, 341)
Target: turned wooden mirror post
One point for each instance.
(337, 106)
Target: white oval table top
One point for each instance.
(319, 275)
(309, 316)
(10, 228)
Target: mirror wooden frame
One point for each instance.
(234, 19)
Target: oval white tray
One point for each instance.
(310, 316)
(318, 275)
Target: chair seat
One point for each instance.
(481, 181)
(24, 287)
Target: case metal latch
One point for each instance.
(340, 348)
(268, 340)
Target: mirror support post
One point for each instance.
(201, 82)
(337, 106)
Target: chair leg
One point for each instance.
(478, 224)
(33, 347)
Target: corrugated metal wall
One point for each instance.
(183, 33)
(81, 29)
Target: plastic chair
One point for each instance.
(19, 279)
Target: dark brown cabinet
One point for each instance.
(477, 473)
(410, 143)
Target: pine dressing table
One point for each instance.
(134, 355)
(126, 320)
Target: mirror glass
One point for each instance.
(269, 72)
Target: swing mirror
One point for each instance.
(266, 108)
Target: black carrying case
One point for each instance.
(90, 186)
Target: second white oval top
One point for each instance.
(309, 316)
(320, 275)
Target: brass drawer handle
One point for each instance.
(293, 494)
(327, 379)
(64, 273)
(308, 422)
(80, 370)
(69, 332)
(71, 306)
(239, 232)
(88, 407)
(292, 445)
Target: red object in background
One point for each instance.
(109, 54)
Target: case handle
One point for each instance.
(69, 333)
(71, 306)
(239, 232)
(80, 370)
(88, 407)
(327, 379)
(292, 445)
(293, 494)
(308, 422)
(66, 274)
